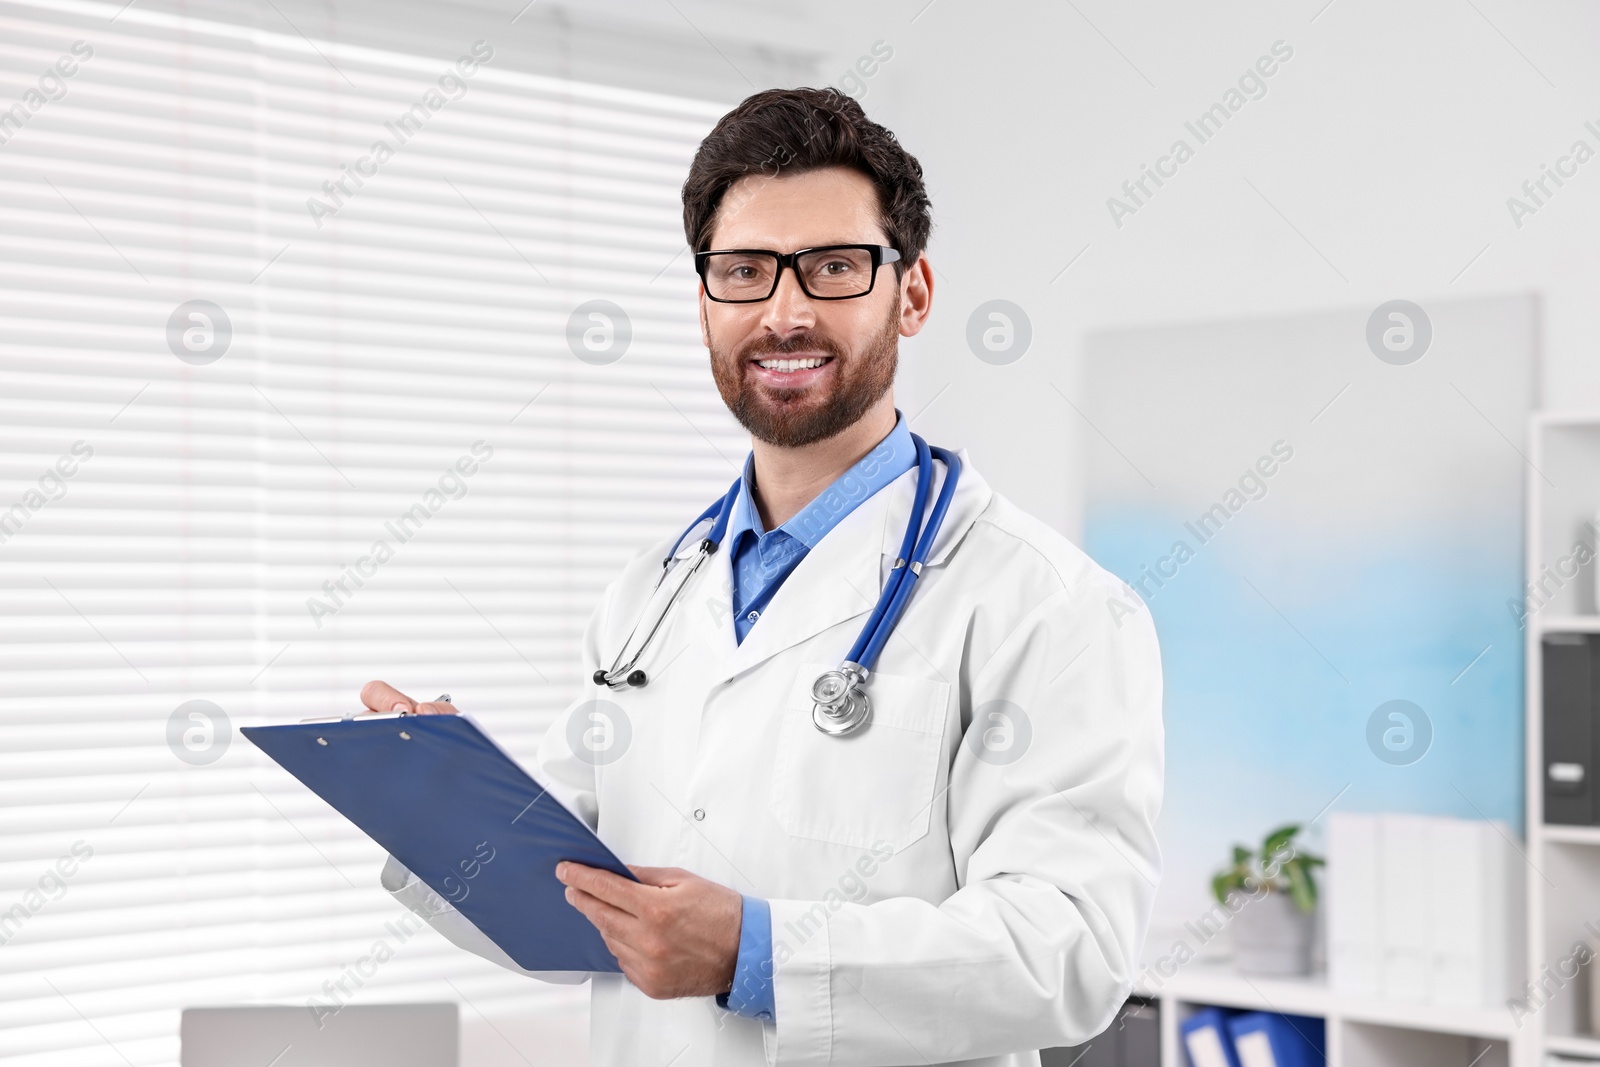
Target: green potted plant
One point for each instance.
(1273, 897)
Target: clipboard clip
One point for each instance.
(365, 716)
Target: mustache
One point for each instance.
(804, 342)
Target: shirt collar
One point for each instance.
(888, 460)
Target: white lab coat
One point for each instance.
(928, 905)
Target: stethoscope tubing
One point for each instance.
(902, 561)
(891, 606)
(914, 549)
(719, 511)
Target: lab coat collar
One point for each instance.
(839, 579)
(971, 497)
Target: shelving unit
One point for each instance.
(1563, 877)
(1563, 870)
(1362, 1031)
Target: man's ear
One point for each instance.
(916, 297)
(705, 326)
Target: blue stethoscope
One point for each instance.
(840, 705)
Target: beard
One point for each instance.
(793, 418)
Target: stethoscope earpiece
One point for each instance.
(635, 680)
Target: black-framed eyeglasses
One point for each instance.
(828, 272)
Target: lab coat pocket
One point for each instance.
(869, 789)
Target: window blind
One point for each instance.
(319, 362)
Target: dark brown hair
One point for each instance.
(792, 131)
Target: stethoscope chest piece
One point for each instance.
(840, 704)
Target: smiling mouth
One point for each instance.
(789, 365)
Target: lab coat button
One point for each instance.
(699, 814)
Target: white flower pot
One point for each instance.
(1272, 936)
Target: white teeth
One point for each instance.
(791, 364)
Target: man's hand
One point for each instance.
(676, 935)
(381, 696)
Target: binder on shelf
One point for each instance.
(1405, 909)
(1471, 873)
(1422, 908)
(1351, 895)
(1206, 1040)
(1269, 1039)
(1571, 735)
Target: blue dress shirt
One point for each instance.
(761, 560)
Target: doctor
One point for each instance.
(964, 872)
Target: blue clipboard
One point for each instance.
(442, 798)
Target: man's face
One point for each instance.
(849, 347)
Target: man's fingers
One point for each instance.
(659, 876)
(612, 922)
(381, 696)
(614, 889)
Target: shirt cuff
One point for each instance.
(751, 995)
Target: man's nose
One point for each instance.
(789, 307)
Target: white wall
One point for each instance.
(1390, 140)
